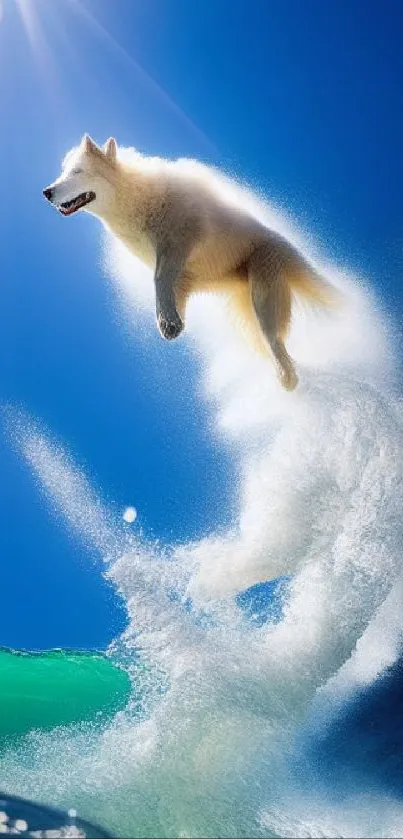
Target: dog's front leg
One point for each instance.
(177, 231)
(167, 273)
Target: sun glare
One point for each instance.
(29, 13)
(30, 20)
(43, 22)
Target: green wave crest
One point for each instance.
(49, 689)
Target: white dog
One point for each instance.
(175, 219)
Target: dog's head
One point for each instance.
(87, 179)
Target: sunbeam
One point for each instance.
(140, 71)
(33, 27)
(32, 15)
(40, 17)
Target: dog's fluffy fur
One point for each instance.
(176, 219)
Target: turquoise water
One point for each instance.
(57, 688)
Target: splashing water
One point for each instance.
(209, 744)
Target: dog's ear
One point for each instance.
(88, 144)
(110, 150)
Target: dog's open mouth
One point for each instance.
(70, 207)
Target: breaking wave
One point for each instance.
(224, 731)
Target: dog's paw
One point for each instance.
(288, 378)
(169, 328)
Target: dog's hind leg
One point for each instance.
(271, 299)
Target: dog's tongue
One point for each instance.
(66, 212)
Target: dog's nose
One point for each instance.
(48, 192)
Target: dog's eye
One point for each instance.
(76, 171)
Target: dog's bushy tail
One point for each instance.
(305, 284)
(310, 287)
(313, 289)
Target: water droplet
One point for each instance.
(130, 515)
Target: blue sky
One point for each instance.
(302, 99)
